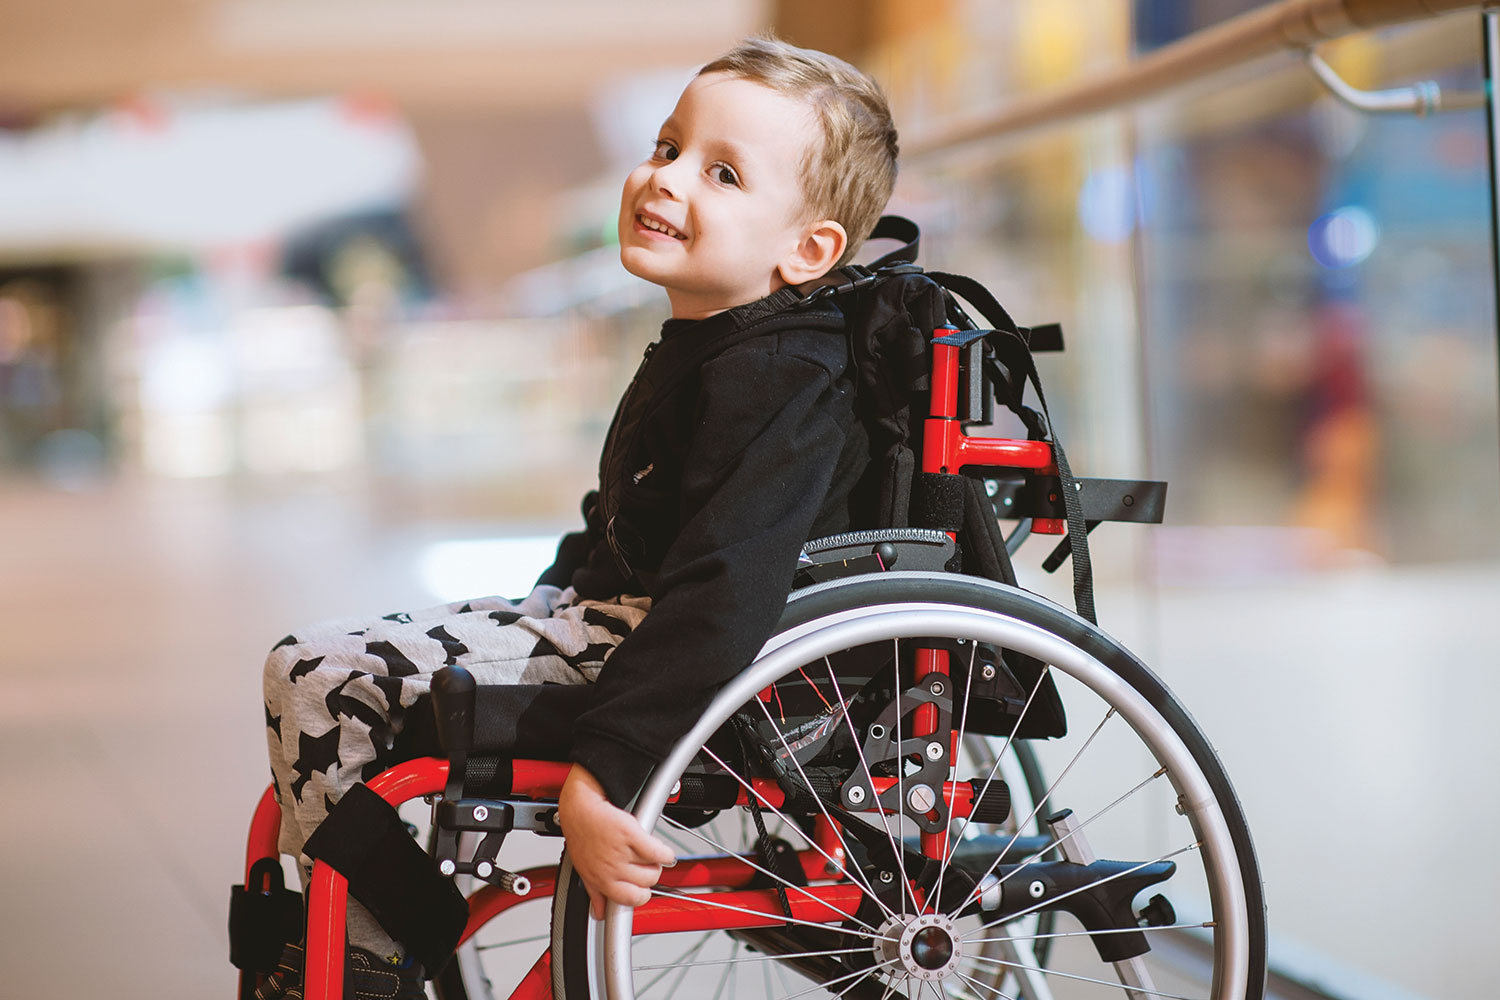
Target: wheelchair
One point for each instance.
(926, 784)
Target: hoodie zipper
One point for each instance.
(607, 484)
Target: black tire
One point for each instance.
(896, 607)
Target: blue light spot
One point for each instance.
(1106, 204)
(1343, 237)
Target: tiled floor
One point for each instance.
(1355, 713)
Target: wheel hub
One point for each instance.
(925, 946)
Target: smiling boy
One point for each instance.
(735, 443)
(738, 201)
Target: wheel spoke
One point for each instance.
(1047, 795)
(1076, 830)
(954, 841)
(514, 941)
(1082, 888)
(728, 971)
(954, 750)
(684, 957)
(841, 979)
(899, 844)
(763, 958)
(865, 766)
(984, 986)
(728, 853)
(859, 876)
(748, 787)
(1082, 979)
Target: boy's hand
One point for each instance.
(616, 859)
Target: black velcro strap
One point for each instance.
(264, 916)
(938, 501)
(365, 840)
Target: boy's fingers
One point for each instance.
(644, 876)
(596, 904)
(651, 850)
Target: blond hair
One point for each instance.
(847, 177)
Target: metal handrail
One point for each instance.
(1286, 25)
(1424, 97)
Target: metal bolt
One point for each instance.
(921, 798)
(1181, 807)
(481, 813)
(937, 687)
(484, 869)
(447, 867)
(1036, 889)
(856, 794)
(886, 878)
(934, 751)
(987, 671)
(991, 487)
(877, 732)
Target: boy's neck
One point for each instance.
(689, 306)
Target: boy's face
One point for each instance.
(714, 214)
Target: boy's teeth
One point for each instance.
(658, 226)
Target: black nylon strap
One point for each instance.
(1011, 345)
(896, 227)
(365, 840)
(1078, 535)
(980, 297)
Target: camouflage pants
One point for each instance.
(335, 693)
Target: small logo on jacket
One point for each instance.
(636, 479)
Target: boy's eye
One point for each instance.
(665, 150)
(726, 175)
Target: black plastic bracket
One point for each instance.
(880, 747)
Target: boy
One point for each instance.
(735, 444)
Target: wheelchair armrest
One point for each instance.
(453, 696)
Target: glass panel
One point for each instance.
(1285, 309)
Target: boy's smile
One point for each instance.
(717, 209)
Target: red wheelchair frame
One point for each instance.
(946, 448)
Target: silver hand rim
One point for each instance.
(861, 626)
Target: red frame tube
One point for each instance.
(820, 904)
(946, 448)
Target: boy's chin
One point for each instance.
(639, 263)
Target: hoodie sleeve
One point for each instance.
(758, 466)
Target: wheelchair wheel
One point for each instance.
(826, 865)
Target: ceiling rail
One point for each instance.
(1279, 26)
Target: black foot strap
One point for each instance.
(365, 840)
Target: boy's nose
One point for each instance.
(664, 179)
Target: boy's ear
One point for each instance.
(822, 245)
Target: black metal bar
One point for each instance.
(1490, 28)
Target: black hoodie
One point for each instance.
(735, 443)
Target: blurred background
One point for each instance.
(314, 308)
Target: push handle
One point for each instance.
(453, 694)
